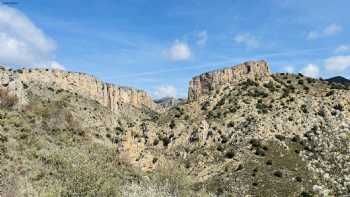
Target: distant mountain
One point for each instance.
(168, 101)
(339, 79)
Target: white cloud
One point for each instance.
(202, 38)
(342, 48)
(247, 39)
(337, 63)
(179, 51)
(21, 42)
(165, 91)
(56, 65)
(50, 64)
(330, 30)
(311, 70)
(289, 68)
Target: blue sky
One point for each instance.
(160, 45)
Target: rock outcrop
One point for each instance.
(107, 94)
(204, 83)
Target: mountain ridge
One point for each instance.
(107, 94)
(339, 79)
(248, 133)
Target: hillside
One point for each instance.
(340, 80)
(243, 131)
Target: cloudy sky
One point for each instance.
(159, 45)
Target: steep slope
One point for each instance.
(244, 131)
(284, 135)
(60, 142)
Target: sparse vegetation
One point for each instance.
(284, 136)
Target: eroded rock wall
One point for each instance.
(108, 95)
(204, 83)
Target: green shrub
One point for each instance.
(230, 154)
(258, 93)
(270, 86)
(330, 93)
(194, 137)
(304, 108)
(263, 108)
(250, 82)
(172, 124)
(205, 105)
(338, 107)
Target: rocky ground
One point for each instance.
(277, 135)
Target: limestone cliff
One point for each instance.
(204, 83)
(108, 95)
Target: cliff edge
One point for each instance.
(107, 94)
(206, 82)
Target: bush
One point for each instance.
(262, 108)
(166, 141)
(221, 102)
(155, 142)
(306, 88)
(249, 82)
(280, 137)
(205, 105)
(339, 107)
(259, 93)
(214, 114)
(178, 112)
(278, 174)
(330, 93)
(194, 137)
(230, 154)
(172, 124)
(7, 100)
(322, 113)
(304, 108)
(231, 124)
(270, 86)
(311, 80)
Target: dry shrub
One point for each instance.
(86, 170)
(7, 100)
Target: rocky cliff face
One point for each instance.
(108, 95)
(204, 83)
